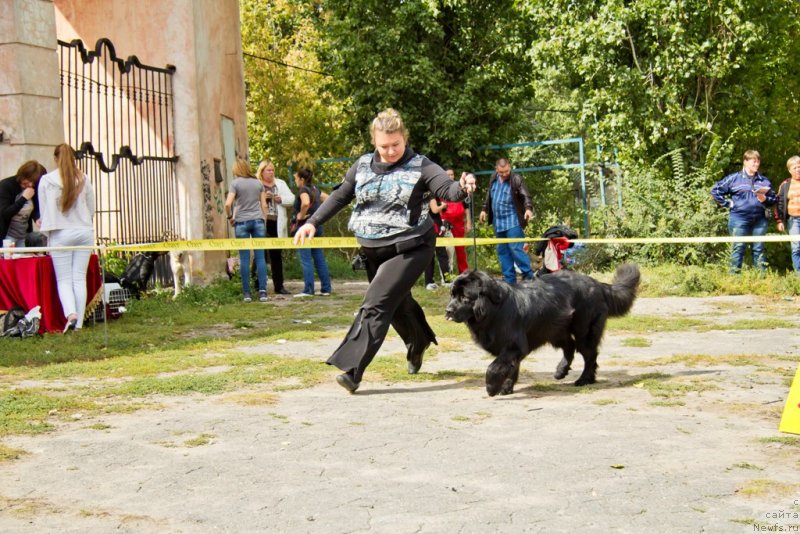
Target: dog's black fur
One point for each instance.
(565, 309)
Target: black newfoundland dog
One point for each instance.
(566, 309)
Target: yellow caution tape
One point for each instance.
(269, 243)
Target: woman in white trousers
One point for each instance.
(66, 204)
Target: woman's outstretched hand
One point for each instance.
(306, 231)
(467, 182)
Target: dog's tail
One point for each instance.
(621, 293)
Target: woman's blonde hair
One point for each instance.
(791, 162)
(388, 121)
(72, 178)
(263, 165)
(242, 169)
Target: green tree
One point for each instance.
(456, 70)
(660, 75)
(287, 111)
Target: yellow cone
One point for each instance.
(790, 421)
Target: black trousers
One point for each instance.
(275, 258)
(388, 301)
(444, 266)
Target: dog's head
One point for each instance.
(474, 295)
(499, 377)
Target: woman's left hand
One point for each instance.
(467, 182)
(306, 231)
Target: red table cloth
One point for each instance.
(29, 282)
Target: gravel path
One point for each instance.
(665, 442)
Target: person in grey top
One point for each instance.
(391, 187)
(246, 206)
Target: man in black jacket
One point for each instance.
(508, 207)
(19, 206)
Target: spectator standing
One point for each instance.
(19, 205)
(436, 208)
(306, 203)
(508, 207)
(787, 211)
(278, 196)
(391, 223)
(455, 213)
(246, 206)
(66, 201)
(746, 194)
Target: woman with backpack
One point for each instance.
(306, 203)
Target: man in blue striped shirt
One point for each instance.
(508, 207)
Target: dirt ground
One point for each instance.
(679, 435)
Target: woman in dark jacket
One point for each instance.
(391, 187)
(19, 205)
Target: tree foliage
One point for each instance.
(677, 89)
(456, 70)
(287, 112)
(661, 75)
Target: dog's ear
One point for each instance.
(482, 307)
(492, 290)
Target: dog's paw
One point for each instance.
(507, 388)
(562, 369)
(585, 381)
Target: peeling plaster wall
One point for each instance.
(202, 39)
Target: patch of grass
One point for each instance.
(763, 487)
(99, 426)
(394, 368)
(604, 402)
(671, 389)
(636, 342)
(757, 324)
(8, 454)
(198, 441)
(792, 441)
(28, 411)
(699, 360)
(746, 465)
(253, 398)
(667, 403)
(654, 323)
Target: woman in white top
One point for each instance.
(278, 197)
(66, 204)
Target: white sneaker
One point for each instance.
(432, 287)
(302, 295)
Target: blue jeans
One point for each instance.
(512, 253)
(307, 255)
(245, 229)
(794, 229)
(742, 226)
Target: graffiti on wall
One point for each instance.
(208, 203)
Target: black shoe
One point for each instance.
(415, 360)
(347, 382)
(282, 291)
(71, 325)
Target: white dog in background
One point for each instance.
(180, 262)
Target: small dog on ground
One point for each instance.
(565, 309)
(180, 262)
